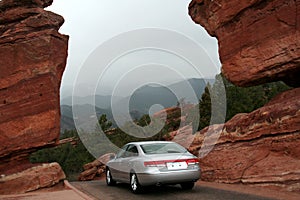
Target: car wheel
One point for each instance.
(187, 185)
(109, 180)
(134, 184)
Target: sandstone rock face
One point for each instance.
(33, 57)
(262, 147)
(42, 176)
(183, 136)
(95, 169)
(259, 40)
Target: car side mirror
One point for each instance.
(112, 156)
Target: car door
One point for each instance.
(127, 162)
(116, 166)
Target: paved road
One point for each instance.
(99, 190)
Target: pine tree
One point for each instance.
(205, 108)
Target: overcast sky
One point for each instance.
(91, 23)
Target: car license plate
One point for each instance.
(176, 165)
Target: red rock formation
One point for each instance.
(95, 170)
(259, 41)
(42, 176)
(183, 136)
(33, 57)
(162, 114)
(262, 147)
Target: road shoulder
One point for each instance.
(64, 192)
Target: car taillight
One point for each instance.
(192, 161)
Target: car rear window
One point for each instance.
(162, 148)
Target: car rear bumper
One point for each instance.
(170, 177)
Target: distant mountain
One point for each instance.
(67, 120)
(197, 85)
(100, 101)
(84, 120)
(139, 102)
(66, 123)
(146, 96)
(143, 98)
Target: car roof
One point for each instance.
(150, 142)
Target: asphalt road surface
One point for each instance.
(99, 190)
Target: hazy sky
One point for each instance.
(91, 23)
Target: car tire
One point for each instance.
(187, 185)
(135, 186)
(109, 179)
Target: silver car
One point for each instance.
(153, 163)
